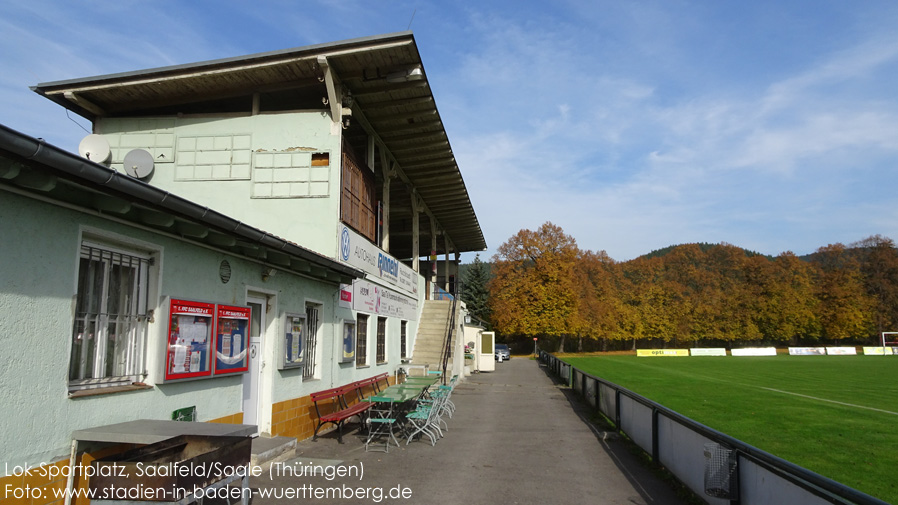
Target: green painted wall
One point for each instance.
(37, 287)
(310, 221)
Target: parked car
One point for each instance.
(504, 351)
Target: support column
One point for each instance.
(446, 263)
(458, 285)
(334, 94)
(416, 234)
(388, 174)
(433, 250)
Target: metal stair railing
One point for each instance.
(447, 346)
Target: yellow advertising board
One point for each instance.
(662, 352)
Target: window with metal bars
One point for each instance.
(309, 349)
(110, 328)
(403, 339)
(381, 340)
(361, 340)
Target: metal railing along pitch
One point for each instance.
(680, 445)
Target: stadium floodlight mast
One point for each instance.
(885, 344)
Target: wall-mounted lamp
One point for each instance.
(409, 74)
(267, 273)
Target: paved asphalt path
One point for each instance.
(516, 438)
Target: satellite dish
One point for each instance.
(95, 148)
(138, 163)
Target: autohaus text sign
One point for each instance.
(358, 252)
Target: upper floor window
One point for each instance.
(110, 329)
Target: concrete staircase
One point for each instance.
(431, 337)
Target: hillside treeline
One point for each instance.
(692, 295)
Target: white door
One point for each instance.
(252, 378)
(487, 361)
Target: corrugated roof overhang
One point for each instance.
(402, 115)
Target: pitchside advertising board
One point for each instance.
(880, 351)
(821, 351)
(754, 351)
(771, 351)
(717, 351)
(662, 352)
(681, 352)
(357, 251)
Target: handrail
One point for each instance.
(447, 345)
(835, 492)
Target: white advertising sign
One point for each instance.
(807, 351)
(841, 351)
(358, 252)
(374, 299)
(754, 351)
(708, 352)
(879, 351)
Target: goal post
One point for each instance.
(889, 341)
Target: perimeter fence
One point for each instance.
(715, 466)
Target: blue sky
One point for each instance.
(771, 125)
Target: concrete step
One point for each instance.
(267, 450)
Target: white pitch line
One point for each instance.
(830, 401)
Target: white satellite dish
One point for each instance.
(138, 163)
(95, 148)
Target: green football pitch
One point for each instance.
(834, 415)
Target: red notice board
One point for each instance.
(231, 340)
(188, 354)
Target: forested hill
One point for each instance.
(703, 247)
(545, 286)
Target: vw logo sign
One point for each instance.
(344, 244)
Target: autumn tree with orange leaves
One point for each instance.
(692, 294)
(533, 291)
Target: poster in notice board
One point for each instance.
(231, 339)
(188, 353)
(291, 353)
(349, 337)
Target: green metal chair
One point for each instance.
(382, 420)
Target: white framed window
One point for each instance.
(111, 316)
(381, 340)
(310, 348)
(403, 339)
(361, 342)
